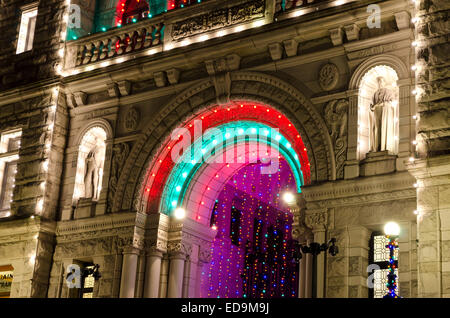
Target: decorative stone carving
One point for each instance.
(317, 220)
(291, 47)
(336, 117)
(132, 119)
(218, 19)
(205, 255)
(124, 88)
(220, 70)
(120, 154)
(352, 32)
(337, 36)
(328, 76)
(113, 89)
(276, 51)
(403, 20)
(228, 63)
(160, 79)
(381, 115)
(173, 75)
(80, 98)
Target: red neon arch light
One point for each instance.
(162, 164)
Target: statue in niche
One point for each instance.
(94, 167)
(381, 118)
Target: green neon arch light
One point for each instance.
(232, 133)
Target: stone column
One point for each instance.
(164, 276)
(320, 237)
(176, 273)
(152, 274)
(351, 168)
(128, 277)
(309, 274)
(358, 253)
(302, 277)
(317, 220)
(432, 168)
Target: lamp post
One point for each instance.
(392, 231)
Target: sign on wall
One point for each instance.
(6, 278)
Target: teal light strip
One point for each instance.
(188, 165)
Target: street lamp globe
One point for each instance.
(288, 197)
(392, 229)
(179, 213)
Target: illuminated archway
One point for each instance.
(168, 181)
(230, 146)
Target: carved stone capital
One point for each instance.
(205, 255)
(317, 220)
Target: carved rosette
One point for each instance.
(328, 77)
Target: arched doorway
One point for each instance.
(228, 168)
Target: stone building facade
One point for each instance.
(102, 102)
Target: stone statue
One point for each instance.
(94, 167)
(381, 118)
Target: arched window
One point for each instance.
(378, 87)
(90, 163)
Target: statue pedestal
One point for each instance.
(376, 163)
(85, 208)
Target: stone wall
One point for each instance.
(431, 167)
(39, 63)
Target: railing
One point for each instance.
(178, 28)
(117, 42)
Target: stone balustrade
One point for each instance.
(117, 42)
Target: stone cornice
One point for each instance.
(361, 190)
(99, 223)
(25, 229)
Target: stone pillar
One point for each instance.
(320, 237)
(164, 277)
(176, 274)
(358, 253)
(152, 274)
(128, 277)
(316, 219)
(309, 274)
(302, 277)
(186, 278)
(351, 168)
(432, 168)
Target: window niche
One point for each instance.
(378, 112)
(89, 171)
(9, 155)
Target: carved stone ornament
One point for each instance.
(316, 220)
(120, 154)
(218, 19)
(328, 77)
(336, 114)
(131, 119)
